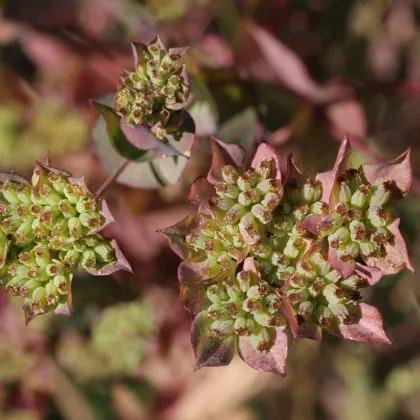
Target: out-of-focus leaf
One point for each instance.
(349, 116)
(241, 129)
(114, 134)
(150, 173)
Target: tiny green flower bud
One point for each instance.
(358, 199)
(333, 293)
(215, 310)
(266, 320)
(54, 268)
(262, 250)
(261, 213)
(58, 181)
(208, 227)
(296, 281)
(71, 258)
(320, 261)
(315, 288)
(62, 283)
(319, 208)
(266, 168)
(75, 227)
(367, 248)
(244, 280)
(67, 209)
(269, 185)
(333, 276)
(45, 195)
(86, 205)
(381, 194)
(246, 181)
(28, 287)
(42, 256)
(227, 190)
(232, 288)
(79, 246)
(88, 259)
(280, 259)
(249, 197)
(311, 191)
(8, 189)
(300, 212)
(305, 309)
(352, 282)
(23, 192)
(74, 192)
(271, 200)
(273, 302)
(24, 234)
(222, 328)
(256, 292)
(52, 294)
(340, 236)
(216, 293)
(235, 213)
(297, 295)
(305, 269)
(230, 174)
(244, 326)
(348, 251)
(105, 252)
(262, 339)
(344, 193)
(378, 216)
(294, 247)
(91, 220)
(10, 224)
(325, 316)
(340, 311)
(251, 305)
(38, 300)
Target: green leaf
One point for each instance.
(114, 134)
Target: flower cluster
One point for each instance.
(47, 228)
(254, 254)
(156, 93)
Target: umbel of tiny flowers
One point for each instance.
(156, 93)
(250, 268)
(47, 228)
(361, 225)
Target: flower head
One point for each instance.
(156, 93)
(47, 228)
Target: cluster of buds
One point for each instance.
(254, 260)
(47, 228)
(156, 93)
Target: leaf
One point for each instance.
(274, 361)
(369, 274)
(210, 352)
(398, 171)
(241, 129)
(146, 172)
(367, 327)
(11, 176)
(345, 268)
(264, 151)
(396, 255)
(224, 154)
(115, 133)
(349, 116)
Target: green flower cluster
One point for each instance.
(47, 229)
(157, 92)
(318, 295)
(359, 220)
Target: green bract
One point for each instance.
(48, 228)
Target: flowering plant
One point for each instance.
(254, 259)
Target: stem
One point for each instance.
(112, 178)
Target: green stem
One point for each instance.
(112, 178)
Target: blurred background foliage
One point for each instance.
(295, 73)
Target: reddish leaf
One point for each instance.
(293, 174)
(273, 361)
(202, 192)
(370, 274)
(264, 151)
(193, 289)
(398, 171)
(327, 181)
(367, 326)
(224, 154)
(396, 258)
(176, 237)
(315, 222)
(120, 264)
(349, 116)
(346, 269)
(210, 352)
(11, 176)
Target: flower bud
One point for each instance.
(23, 192)
(269, 185)
(24, 234)
(297, 295)
(230, 174)
(266, 168)
(367, 248)
(305, 269)
(45, 195)
(351, 283)
(214, 311)
(325, 316)
(333, 293)
(249, 197)
(378, 216)
(294, 247)
(71, 258)
(227, 190)
(280, 259)
(261, 213)
(340, 236)
(359, 198)
(79, 246)
(246, 181)
(91, 220)
(58, 181)
(251, 305)
(42, 255)
(75, 227)
(266, 320)
(311, 191)
(320, 261)
(235, 213)
(62, 283)
(88, 260)
(305, 309)
(381, 194)
(54, 268)
(262, 339)
(271, 200)
(300, 212)
(38, 301)
(344, 193)
(217, 294)
(52, 294)
(221, 328)
(333, 276)
(244, 326)
(232, 288)
(348, 251)
(262, 250)
(8, 189)
(340, 311)
(244, 280)
(319, 208)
